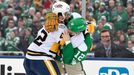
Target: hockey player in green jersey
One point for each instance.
(77, 44)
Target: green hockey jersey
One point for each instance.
(77, 49)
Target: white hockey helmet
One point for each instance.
(60, 7)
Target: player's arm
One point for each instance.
(79, 53)
(68, 53)
(67, 49)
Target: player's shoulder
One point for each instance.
(42, 30)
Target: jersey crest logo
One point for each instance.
(59, 6)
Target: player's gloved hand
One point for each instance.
(90, 28)
(66, 37)
(55, 48)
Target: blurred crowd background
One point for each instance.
(20, 21)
